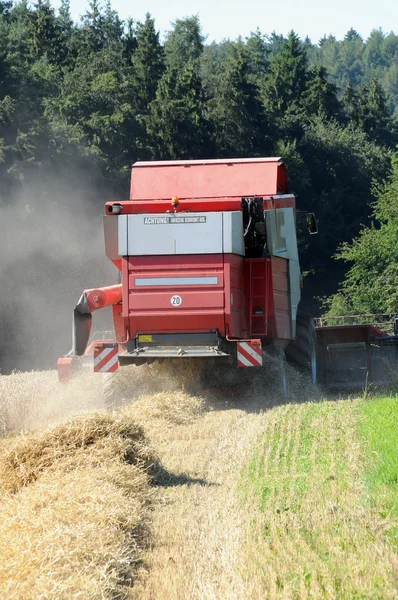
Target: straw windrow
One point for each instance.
(73, 508)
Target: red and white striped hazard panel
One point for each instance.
(250, 354)
(105, 357)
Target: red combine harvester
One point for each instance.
(207, 252)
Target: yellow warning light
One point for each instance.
(175, 202)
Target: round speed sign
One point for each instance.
(176, 300)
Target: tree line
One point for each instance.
(79, 102)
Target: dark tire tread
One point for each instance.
(302, 350)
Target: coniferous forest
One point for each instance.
(80, 102)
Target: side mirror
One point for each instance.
(312, 225)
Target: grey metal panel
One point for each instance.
(122, 234)
(295, 291)
(281, 233)
(201, 238)
(282, 242)
(144, 352)
(233, 240)
(111, 226)
(181, 233)
(177, 281)
(160, 234)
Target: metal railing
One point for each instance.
(385, 322)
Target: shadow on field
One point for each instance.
(163, 478)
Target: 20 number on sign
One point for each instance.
(176, 300)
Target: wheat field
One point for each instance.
(177, 496)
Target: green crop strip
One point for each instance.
(321, 484)
(379, 430)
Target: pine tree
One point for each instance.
(93, 27)
(129, 40)
(176, 124)
(275, 43)
(255, 52)
(112, 26)
(374, 116)
(350, 100)
(236, 113)
(184, 43)
(287, 77)
(367, 109)
(67, 34)
(45, 35)
(373, 56)
(147, 65)
(351, 54)
(320, 97)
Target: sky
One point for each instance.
(230, 18)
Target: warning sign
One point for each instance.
(173, 220)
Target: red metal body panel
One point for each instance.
(249, 300)
(258, 293)
(280, 299)
(208, 179)
(193, 205)
(235, 302)
(119, 324)
(148, 308)
(64, 366)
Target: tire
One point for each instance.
(302, 350)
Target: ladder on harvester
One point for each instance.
(259, 273)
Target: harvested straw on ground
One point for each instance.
(73, 508)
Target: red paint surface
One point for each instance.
(137, 207)
(235, 303)
(245, 287)
(208, 179)
(64, 366)
(162, 206)
(258, 293)
(149, 308)
(280, 299)
(119, 324)
(102, 297)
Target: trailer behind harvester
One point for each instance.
(208, 260)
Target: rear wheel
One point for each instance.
(302, 350)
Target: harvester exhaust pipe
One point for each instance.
(90, 301)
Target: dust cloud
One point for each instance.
(51, 248)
